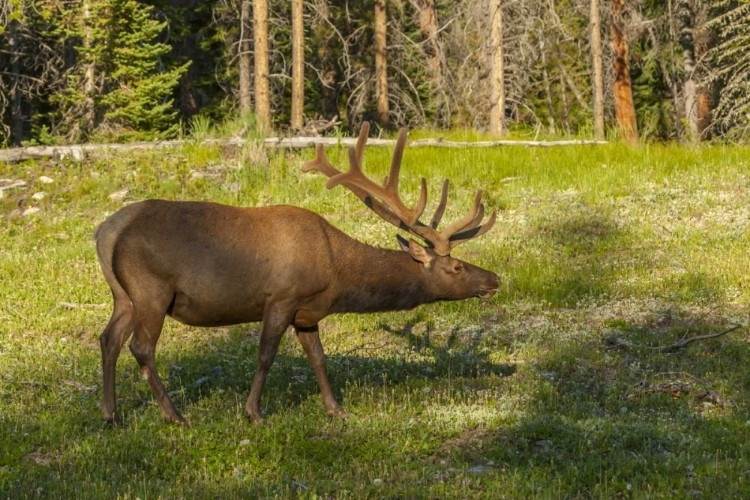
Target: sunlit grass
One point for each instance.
(516, 397)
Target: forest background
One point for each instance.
(122, 70)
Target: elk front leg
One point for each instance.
(274, 325)
(310, 340)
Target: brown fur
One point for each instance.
(207, 264)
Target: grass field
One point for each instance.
(520, 396)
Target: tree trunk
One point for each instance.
(700, 42)
(623, 89)
(245, 59)
(704, 114)
(596, 56)
(547, 86)
(260, 35)
(381, 67)
(686, 22)
(189, 105)
(433, 55)
(328, 71)
(88, 117)
(298, 65)
(497, 77)
(15, 90)
(428, 29)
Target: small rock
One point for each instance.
(232, 187)
(299, 486)
(30, 211)
(119, 195)
(245, 442)
(543, 445)
(39, 196)
(377, 482)
(202, 381)
(46, 180)
(480, 469)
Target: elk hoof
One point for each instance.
(256, 418)
(176, 419)
(113, 420)
(337, 413)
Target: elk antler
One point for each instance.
(385, 201)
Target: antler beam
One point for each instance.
(384, 199)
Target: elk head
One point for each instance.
(450, 278)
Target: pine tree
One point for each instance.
(119, 73)
(141, 95)
(730, 64)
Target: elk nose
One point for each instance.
(495, 280)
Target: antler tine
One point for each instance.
(391, 182)
(364, 132)
(476, 221)
(321, 163)
(422, 203)
(474, 232)
(463, 222)
(388, 193)
(441, 206)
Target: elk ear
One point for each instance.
(417, 251)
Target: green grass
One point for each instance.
(516, 397)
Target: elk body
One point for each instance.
(206, 264)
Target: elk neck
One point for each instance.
(374, 279)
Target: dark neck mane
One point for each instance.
(376, 280)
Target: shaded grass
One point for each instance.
(517, 397)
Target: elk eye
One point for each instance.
(458, 268)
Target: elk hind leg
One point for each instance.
(143, 346)
(113, 337)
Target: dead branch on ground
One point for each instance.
(614, 341)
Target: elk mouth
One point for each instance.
(486, 293)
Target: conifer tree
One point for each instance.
(120, 69)
(730, 61)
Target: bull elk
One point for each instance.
(206, 264)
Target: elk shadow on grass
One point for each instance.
(230, 362)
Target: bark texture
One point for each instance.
(686, 20)
(245, 59)
(623, 87)
(381, 65)
(298, 65)
(497, 73)
(598, 82)
(260, 35)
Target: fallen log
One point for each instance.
(80, 151)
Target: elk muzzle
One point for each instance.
(490, 288)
